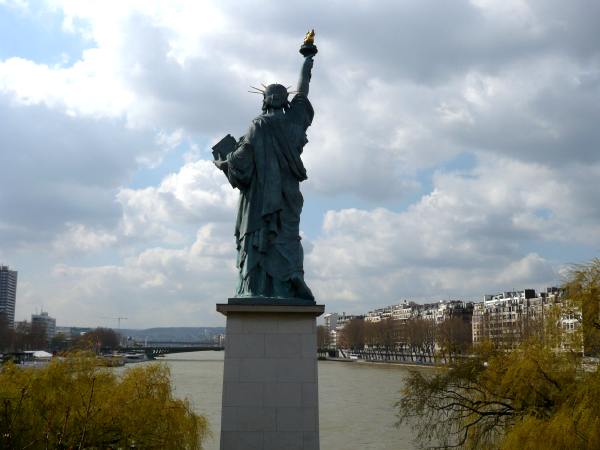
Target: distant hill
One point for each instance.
(174, 334)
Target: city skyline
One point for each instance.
(471, 125)
(376, 309)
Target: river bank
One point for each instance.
(383, 363)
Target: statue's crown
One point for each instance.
(274, 95)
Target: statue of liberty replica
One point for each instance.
(265, 165)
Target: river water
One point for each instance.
(356, 400)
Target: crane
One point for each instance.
(118, 319)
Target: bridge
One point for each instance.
(157, 349)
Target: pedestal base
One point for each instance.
(270, 395)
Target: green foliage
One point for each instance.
(573, 424)
(583, 289)
(537, 396)
(73, 403)
(495, 398)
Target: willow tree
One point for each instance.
(73, 403)
(583, 289)
(537, 396)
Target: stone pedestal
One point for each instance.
(270, 395)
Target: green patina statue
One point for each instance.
(266, 167)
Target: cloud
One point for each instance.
(59, 169)
(157, 287)
(402, 90)
(198, 194)
(469, 236)
(80, 238)
(428, 82)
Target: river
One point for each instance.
(356, 400)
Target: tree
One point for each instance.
(388, 333)
(420, 337)
(531, 397)
(583, 289)
(380, 335)
(37, 338)
(59, 342)
(371, 334)
(453, 337)
(98, 339)
(477, 401)
(7, 334)
(323, 338)
(352, 335)
(76, 404)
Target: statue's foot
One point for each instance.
(301, 289)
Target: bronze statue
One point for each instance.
(266, 167)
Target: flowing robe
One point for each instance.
(267, 169)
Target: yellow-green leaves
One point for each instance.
(538, 395)
(74, 403)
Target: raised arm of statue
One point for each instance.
(308, 50)
(305, 75)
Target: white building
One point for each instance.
(508, 317)
(402, 311)
(335, 323)
(330, 320)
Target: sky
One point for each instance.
(455, 149)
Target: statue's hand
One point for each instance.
(221, 164)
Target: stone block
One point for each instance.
(256, 419)
(310, 441)
(296, 370)
(309, 345)
(283, 394)
(262, 370)
(243, 394)
(264, 323)
(241, 440)
(296, 419)
(297, 325)
(245, 346)
(228, 418)
(243, 418)
(283, 440)
(231, 369)
(310, 419)
(282, 346)
(234, 325)
(310, 394)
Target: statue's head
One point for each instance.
(275, 96)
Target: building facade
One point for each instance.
(507, 318)
(434, 312)
(8, 294)
(44, 320)
(335, 323)
(400, 314)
